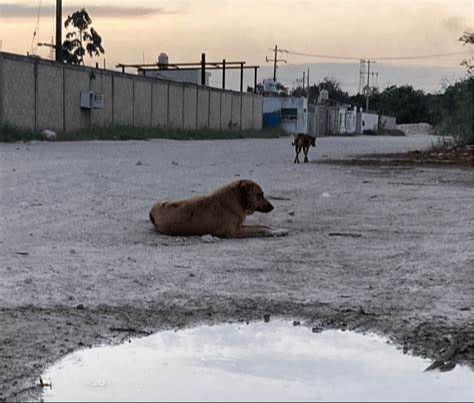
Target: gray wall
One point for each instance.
(387, 122)
(39, 94)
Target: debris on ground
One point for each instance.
(49, 135)
(209, 238)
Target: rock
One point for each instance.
(296, 323)
(80, 307)
(49, 135)
(266, 318)
(209, 238)
(139, 163)
(174, 163)
(291, 213)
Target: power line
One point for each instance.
(36, 29)
(290, 52)
(422, 56)
(375, 58)
(275, 61)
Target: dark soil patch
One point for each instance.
(452, 156)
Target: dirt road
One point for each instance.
(380, 248)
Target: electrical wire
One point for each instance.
(36, 30)
(375, 58)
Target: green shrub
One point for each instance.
(10, 134)
(456, 112)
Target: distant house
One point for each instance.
(289, 113)
(333, 118)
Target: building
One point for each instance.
(339, 119)
(290, 113)
(181, 76)
(187, 75)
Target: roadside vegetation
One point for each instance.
(10, 134)
(449, 111)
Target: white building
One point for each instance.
(180, 75)
(292, 112)
(368, 121)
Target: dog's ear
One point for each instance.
(244, 188)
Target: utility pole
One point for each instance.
(59, 26)
(275, 60)
(304, 79)
(367, 88)
(361, 76)
(203, 69)
(275, 64)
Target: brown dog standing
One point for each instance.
(220, 213)
(303, 142)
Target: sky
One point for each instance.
(134, 31)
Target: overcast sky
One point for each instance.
(137, 30)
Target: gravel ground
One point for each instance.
(380, 248)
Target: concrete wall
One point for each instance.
(39, 94)
(17, 93)
(247, 112)
(235, 111)
(203, 108)
(226, 110)
(288, 123)
(387, 122)
(75, 118)
(190, 107)
(175, 106)
(215, 110)
(159, 113)
(103, 84)
(257, 113)
(49, 104)
(122, 99)
(369, 121)
(142, 93)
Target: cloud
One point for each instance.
(19, 10)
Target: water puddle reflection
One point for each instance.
(257, 362)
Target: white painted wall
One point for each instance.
(351, 121)
(300, 125)
(369, 121)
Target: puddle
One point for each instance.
(273, 361)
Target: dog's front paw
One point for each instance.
(277, 232)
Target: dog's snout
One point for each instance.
(267, 207)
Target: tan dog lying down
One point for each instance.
(220, 213)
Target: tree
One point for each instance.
(468, 38)
(330, 84)
(84, 34)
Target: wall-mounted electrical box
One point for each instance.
(91, 100)
(87, 99)
(98, 101)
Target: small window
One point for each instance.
(289, 113)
